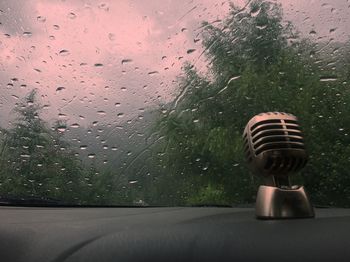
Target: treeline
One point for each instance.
(37, 161)
(258, 63)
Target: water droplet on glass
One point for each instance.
(261, 27)
(111, 36)
(117, 104)
(98, 65)
(64, 52)
(190, 51)
(120, 115)
(60, 88)
(27, 34)
(40, 19)
(312, 32)
(61, 129)
(56, 27)
(152, 73)
(101, 113)
(133, 181)
(126, 61)
(104, 6)
(328, 79)
(91, 156)
(71, 15)
(83, 147)
(75, 125)
(256, 12)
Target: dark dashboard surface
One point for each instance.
(170, 234)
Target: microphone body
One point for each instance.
(274, 148)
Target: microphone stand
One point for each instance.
(278, 199)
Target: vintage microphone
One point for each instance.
(274, 148)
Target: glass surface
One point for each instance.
(144, 102)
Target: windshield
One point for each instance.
(137, 102)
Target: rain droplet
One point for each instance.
(98, 65)
(117, 104)
(71, 15)
(152, 73)
(27, 34)
(261, 27)
(328, 79)
(104, 6)
(75, 125)
(41, 19)
(133, 181)
(64, 52)
(56, 27)
(101, 112)
(120, 115)
(83, 147)
(111, 36)
(91, 156)
(60, 88)
(312, 32)
(126, 61)
(61, 129)
(255, 13)
(190, 51)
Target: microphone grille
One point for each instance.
(273, 143)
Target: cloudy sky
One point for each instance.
(108, 61)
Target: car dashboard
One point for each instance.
(170, 234)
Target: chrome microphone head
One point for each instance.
(274, 145)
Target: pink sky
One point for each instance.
(67, 38)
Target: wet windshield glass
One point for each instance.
(144, 102)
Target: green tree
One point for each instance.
(258, 63)
(35, 160)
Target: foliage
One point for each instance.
(259, 63)
(35, 160)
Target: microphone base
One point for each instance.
(277, 203)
